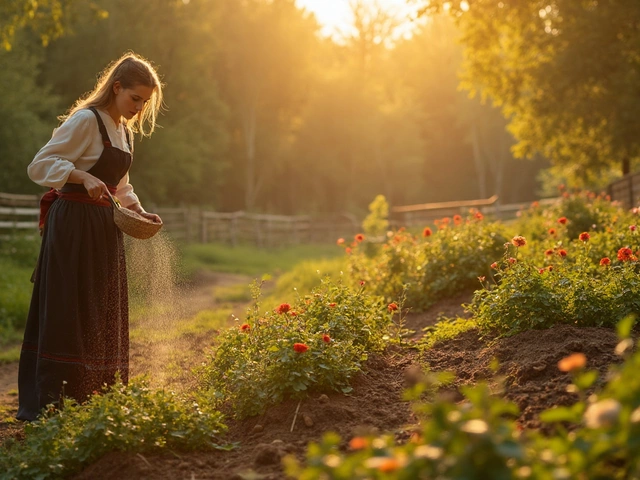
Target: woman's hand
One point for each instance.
(136, 207)
(151, 216)
(95, 187)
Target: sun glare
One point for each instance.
(335, 16)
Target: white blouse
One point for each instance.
(77, 143)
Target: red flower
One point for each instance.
(340, 241)
(550, 268)
(361, 282)
(625, 254)
(479, 216)
(632, 228)
(519, 241)
(300, 347)
(392, 307)
(457, 219)
(535, 205)
(584, 237)
(552, 231)
(512, 260)
(332, 304)
(541, 271)
(348, 250)
(446, 220)
(494, 265)
(427, 232)
(326, 338)
(359, 237)
(549, 251)
(283, 308)
(293, 314)
(245, 327)
(562, 252)
(605, 261)
(562, 220)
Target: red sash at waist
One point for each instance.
(52, 195)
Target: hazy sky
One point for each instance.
(335, 14)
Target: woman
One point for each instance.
(77, 333)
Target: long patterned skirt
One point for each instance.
(77, 332)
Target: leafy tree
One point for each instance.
(565, 74)
(185, 159)
(23, 105)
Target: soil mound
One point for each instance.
(527, 362)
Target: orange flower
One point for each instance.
(562, 252)
(283, 308)
(552, 231)
(427, 232)
(494, 265)
(584, 237)
(389, 465)
(300, 347)
(535, 205)
(359, 237)
(348, 250)
(245, 327)
(605, 261)
(326, 338)
(482, 278)
(541, 271)
(479, 216)
(625, 254)
(457, 219)
(340, 241)
(361, 282)
(446, 220)
(512, 260)
(358, 443)
(562, 220)
(575, 361)
(392, 307)
(519, 241)
(550, 268)
(332, 304)
(549, 251)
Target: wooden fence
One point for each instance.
(626, 190)
(20, 212)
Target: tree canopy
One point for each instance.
(564, 72)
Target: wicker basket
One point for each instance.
(133, 224)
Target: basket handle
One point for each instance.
(113, 201)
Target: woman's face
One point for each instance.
(131, 101)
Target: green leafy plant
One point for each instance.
(130, 418)
(317, 342)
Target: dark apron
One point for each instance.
(77, 332)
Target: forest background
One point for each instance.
(264, 114)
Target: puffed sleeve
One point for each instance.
(125, 193)
(54, 162)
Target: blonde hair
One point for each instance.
(130, 70)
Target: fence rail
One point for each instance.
(190, 224)
(626, 190)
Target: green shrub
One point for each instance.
(433, 266)
(319, 341)
(124, 418)
(565, 290)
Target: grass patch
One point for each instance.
(240, 293)
(446, 330)
(10, 354)
(249, 260)
(203, 322)
(15, 297)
